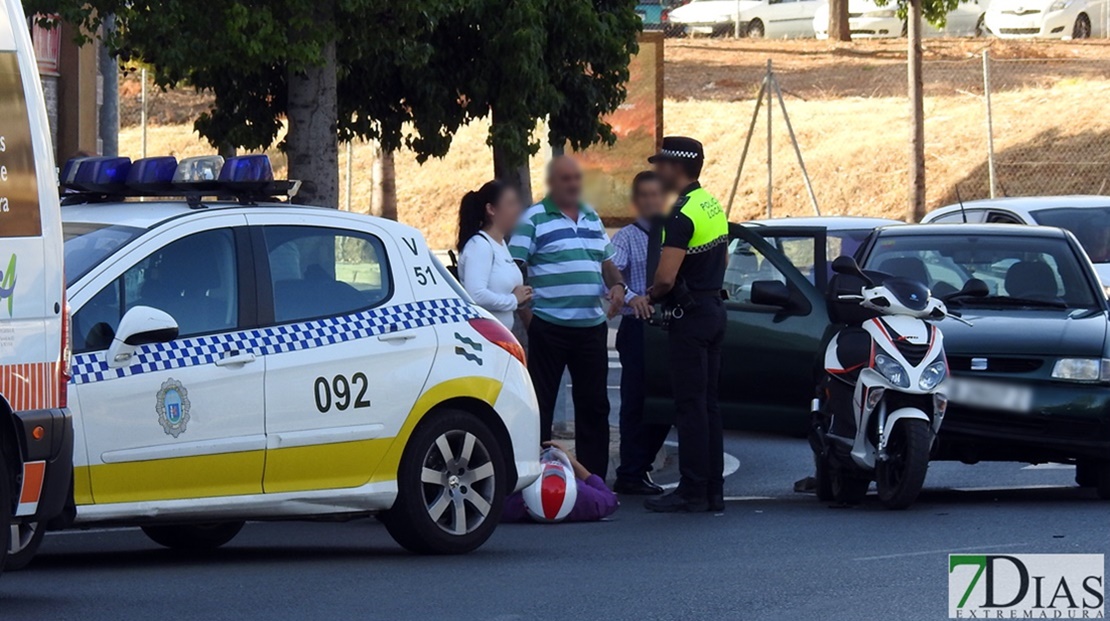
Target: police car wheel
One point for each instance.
(193, 537)
(450, 486)
(23, 543)
(5, 510)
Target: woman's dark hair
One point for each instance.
(472, 211)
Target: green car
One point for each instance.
(1029, 379)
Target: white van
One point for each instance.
(36, 433)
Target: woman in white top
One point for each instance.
(487, 270)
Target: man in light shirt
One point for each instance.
(563, 244)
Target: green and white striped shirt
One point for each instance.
(564, 263)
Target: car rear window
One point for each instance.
(1090, 225)
(89, 244)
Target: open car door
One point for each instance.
(777, 322)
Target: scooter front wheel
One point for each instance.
(901, 476)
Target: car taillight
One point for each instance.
(64, 361)
(665, 16)
(495, 332)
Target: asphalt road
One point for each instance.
(772, 555)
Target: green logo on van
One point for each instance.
(7, 284)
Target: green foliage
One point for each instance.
(411, 72)
(933, 11)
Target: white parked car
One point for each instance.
(1086, 217)
(1050, 19)
(868, 20)
(257, 360)
(758, 18)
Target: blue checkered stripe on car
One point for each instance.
(199, 350)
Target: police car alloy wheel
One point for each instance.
(193, 537)
(23, 542)
(450, 486)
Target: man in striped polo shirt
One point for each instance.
(563, 244)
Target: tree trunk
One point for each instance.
(514, 173)
(917, 114)
(839, 29)
(312, 145)
(385, 190)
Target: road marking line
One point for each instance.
(743, 498)
(945, 551)
(1010, 488)
(91, 531)
(731, 466)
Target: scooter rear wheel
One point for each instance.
(848, 489)
(902, 475)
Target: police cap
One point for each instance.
(679, 149)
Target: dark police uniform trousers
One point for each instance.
(695, 362)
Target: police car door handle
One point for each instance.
(397, 336)
(235, 358)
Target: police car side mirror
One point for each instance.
(770, 293)
(141, 325)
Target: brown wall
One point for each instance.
(77, 97)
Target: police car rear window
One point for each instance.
(89, 244)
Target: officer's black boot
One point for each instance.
(676, 502)
(716, 497)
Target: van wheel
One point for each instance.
(450, 486)
(193, 537)
(5, 510)
(23, 543)
(755, 29)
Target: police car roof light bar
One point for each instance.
(248, 179)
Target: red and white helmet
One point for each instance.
(551, 497)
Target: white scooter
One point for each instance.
(881, 403)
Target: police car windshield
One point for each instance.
(87, 244)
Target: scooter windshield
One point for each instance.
(910, 293)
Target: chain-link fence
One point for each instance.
(993, 126)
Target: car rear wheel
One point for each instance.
(901, 476)
(193, 537)
(981, 26)
(1082, 27)
(755, 29)
(24, 541)
(450, 486)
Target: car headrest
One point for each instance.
(1031, 279)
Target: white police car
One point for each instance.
(249, 359)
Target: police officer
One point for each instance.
(688, 279)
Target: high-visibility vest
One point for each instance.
(710, 222)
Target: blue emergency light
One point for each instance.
(151, 171)
(246, 168)
(102, 172)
